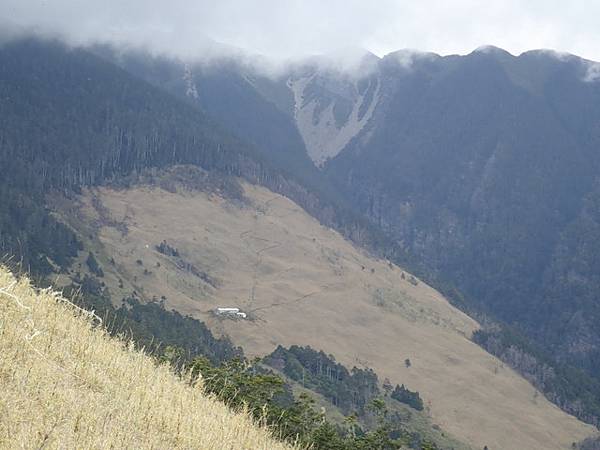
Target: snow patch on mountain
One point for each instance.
(592, 73)
(190, 86)
(321, 131)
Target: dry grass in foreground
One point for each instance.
(67, 384)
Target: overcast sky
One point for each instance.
(294, 28)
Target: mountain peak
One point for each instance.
(407, 57)
(492, 50)
(549, 53)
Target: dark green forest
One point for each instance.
(351, 391)
(69, 120)
(240, 384)
(485, 167)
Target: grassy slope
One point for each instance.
(302, 283)
(66, 384)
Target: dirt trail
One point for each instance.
(248, 237)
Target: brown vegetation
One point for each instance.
(66, 384)
(302, 283)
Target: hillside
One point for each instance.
(246, 102)
(485, 166)
(302, 283)
(482, 167)
(71, 119)
(66, 384)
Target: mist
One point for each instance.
(276, 32)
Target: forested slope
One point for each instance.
(71, 118)
(253, 105)
(485, 167)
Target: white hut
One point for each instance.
(231, 311)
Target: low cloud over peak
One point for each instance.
(293, 30)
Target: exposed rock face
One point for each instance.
(330, 110)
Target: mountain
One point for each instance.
(71, 119)
(481, 167)
(247, 102)
(149, 178)
(484, 166)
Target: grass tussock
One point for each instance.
(66, 384)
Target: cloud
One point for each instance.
(407, 57)
(592, 73)
(291, 29)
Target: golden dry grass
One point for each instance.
(302, 283)
(66, 384)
